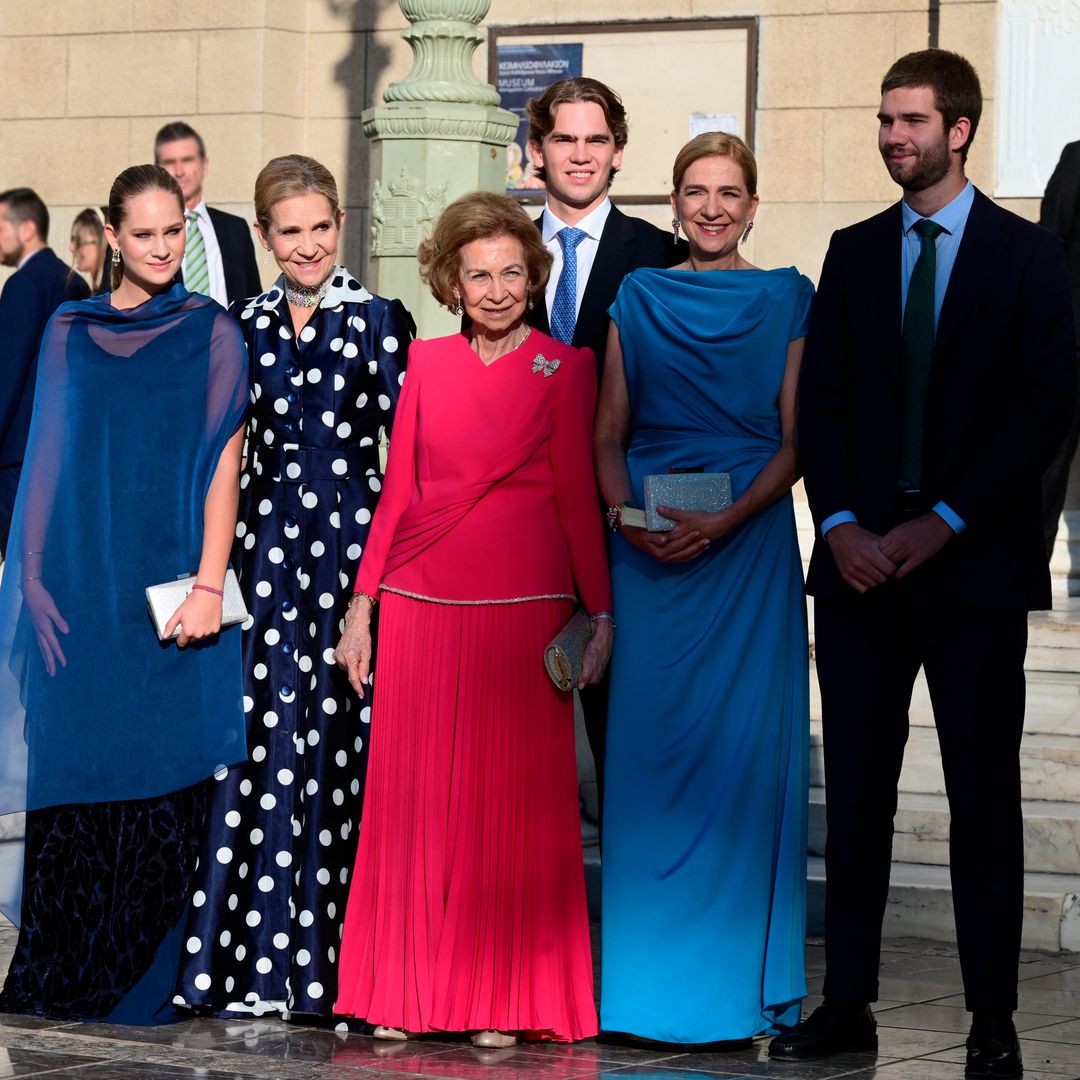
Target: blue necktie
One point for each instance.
(564, 306)
(918, 351)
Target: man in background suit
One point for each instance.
(938, 382)
(40, 284)
(1060, 214)
(577, 134)
(219, 259)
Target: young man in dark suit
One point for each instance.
(40, 284)
(938, 382)
(577, 134)
(219, 259)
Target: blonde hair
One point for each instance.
(293, 174)
(479, 216)
(716, 144)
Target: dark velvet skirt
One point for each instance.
(105, 889)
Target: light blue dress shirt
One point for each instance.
(952, 217)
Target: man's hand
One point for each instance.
(859, 557)
(909, 545)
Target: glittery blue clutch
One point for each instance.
(709, 491)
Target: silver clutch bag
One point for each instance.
(709, 491)
(564, 655)
(162, 600)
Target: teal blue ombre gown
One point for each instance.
(704, 863)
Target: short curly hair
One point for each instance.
(480, 215)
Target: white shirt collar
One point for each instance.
(592, 224)
(199, 210)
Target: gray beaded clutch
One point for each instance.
(564, 656)
(162, 600)
(709, 491)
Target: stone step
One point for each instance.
(920, 905)
(1053, 702)
(921, 832)
(1049, 765)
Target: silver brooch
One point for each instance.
(548, 367)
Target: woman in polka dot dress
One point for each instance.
(327, 362)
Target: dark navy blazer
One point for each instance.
(30, 297)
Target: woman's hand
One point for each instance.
(597, 652)
(46, 620)
(198, 617)
(677, 546)
(711, 525)
(353, 652)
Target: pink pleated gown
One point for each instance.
(467, 905)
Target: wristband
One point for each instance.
(219, 593)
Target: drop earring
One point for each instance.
(746, 232)
(675, 223)
(116, 257)
(266, 254)
(456, 308)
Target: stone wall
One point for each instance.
(83, 88)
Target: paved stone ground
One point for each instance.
(922, 1025)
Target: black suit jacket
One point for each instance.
(998, 406)
(1060, 213)
(625, 244)
(30, 297)
(237, 254)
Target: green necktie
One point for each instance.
(918, 352)
(196, 272)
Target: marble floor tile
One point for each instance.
(18, 1063)
(1054, 1059)
(1066, 1032)
(929, 1069)
(953, 1018)
(200, 1034)
(1069, 979)
(1048, 1002)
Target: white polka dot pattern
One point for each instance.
(282, 828)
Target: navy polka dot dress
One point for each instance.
(265, 925)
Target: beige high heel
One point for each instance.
(495, 1040)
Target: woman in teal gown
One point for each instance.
(704, 860)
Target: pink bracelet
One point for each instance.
(220, 593)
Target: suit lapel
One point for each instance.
(974, 260)
(880, 295)
(608, 269)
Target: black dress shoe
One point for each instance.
(828, 1030)
(993, 1050)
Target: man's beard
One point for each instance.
(931, 165)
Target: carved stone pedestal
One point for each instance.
(439, 134)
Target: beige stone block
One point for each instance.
(354, 249)
(824, 61)
(341, 145)
(230, 71)
(388, 58)
(854, 171)
(797, 234)
(40, 153)
(360, 15)
(284, 73)
(198, 15)
(570, 11)
(789, 148)
(32, 76)
(285, 15)
(132, 75)
(971, 30)
(1026, 208)
(982, 158)
(850, 6)
(18, 18)
(337, 66)
(911, 34)
(763, 9)
(281, 135)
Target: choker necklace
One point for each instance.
(306, 295)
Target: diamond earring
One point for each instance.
(675, 223)
(747, 230)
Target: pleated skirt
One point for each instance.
(467, 906)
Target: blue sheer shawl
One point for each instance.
(132, 411)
